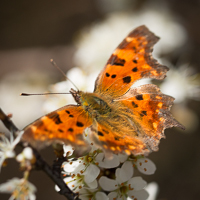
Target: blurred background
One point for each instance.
(81, 35)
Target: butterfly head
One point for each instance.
(76, 95)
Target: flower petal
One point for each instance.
(93, 184)
(122, 157)
(15, 185)
(137, 183)
(112, 195)
(9, 154)
(10, 185)
(28, 153)
(57, 189)
(101, 196)
(17, 139)
(68, 150)
(99, 157)
(146, 166)
(84, 197)
(108, 163)
(118, 176)
(91, 173)
(108, 184)
(72, 166)
(124, 173)
(139, 195)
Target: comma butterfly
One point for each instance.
(121, 119)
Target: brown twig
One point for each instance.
(7, 122)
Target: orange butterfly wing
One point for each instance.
(113, 141)
(63, 125)
(131, 61)
(149, 108)
(142, 116)
(145, 107)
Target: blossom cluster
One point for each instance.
(96, 176)
(93, 176)
(19, 188)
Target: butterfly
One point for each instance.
(121, 119)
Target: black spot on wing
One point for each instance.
(67, 111)
(143, 113)
(55, 117)
(135, 69)
(100, 133)
(107, 74)
(113, 76)
(117, 138)
(115, 60)
(79, 124)
(127, 79)
(135, 61)
(134, 104)
(139, 97)
(57, 120)
(119, 62)
(70, 129)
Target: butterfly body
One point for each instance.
(107, 112)
(121, 118)
(110, 118)
(95, 105)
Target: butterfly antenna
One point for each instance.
(55, 65)
(27, 94)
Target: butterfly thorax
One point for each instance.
(94, 104)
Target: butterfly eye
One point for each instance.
(101, 106)
(99, 101)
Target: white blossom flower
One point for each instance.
(82, 171)
(81, 176)
(77, 182)
(19, 188)
(7, 146)
(27, 154)
(92, 194)
(85, 170)
(68, 150)
(124, 185)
